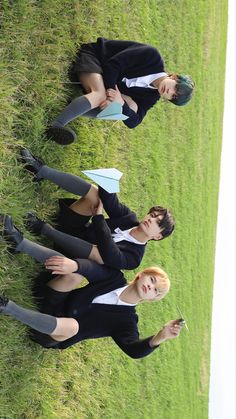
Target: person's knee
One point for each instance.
(93, 195)
(73, 329)
(69, 279)
(84, 205)
(96, 97)
(73, 280)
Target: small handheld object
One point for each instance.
(181, 322)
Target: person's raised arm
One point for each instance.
(111, 204)
(89, 269)
(170, 331)
(129, 342)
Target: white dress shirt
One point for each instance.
(144, 81)
(120, 235)
(112, 297)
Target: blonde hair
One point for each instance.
(163, 280)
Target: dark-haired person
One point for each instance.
(118, 242)
(126, 72)
(104, 307)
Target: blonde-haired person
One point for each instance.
(104, 307)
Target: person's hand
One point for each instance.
(98, 209)
(170, 331)
(103, 105)
(114, 95)
(61, 265)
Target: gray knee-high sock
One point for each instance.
(38, 252)
(92, 113)
(44, 323)
(70, 183)
(74, 247)
(77, 107)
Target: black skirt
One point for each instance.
(85, 61)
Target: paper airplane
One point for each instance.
(112, 111)
(108, 179)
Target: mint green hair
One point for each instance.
(184, 90)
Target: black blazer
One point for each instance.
(121, 255)
(129, 59)
(100, 320)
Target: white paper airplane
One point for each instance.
(108, 179)
(112, 111)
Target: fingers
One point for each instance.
(55, 263)
(104, 104)
(175, 330)
(111, 94)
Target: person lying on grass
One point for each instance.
(118, 242)
(105, 307)
(126, 72)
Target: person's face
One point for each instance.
(148, 286)
(150, 225)
(167, 88)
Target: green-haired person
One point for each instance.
(126, 72)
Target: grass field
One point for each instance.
(171, 159)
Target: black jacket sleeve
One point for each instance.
(129, 342)
(113, 207)
(94, 272)
(134, 118)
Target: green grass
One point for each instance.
(171, 159)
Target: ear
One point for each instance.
(158, 237)
(137, 278)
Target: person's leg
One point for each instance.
(92, 113)
(35, 250)
(19, 244)
(59, 328)
(65, 283)
(74, 247)
(96, 93)
(71, 183)
(71, 246)
(66, 181)
(65, 329)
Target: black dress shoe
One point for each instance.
(61, 135)
(42, 339)
(3, 302)
(33, 223)
(32, 163)
(11, 233)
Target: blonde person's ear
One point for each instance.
(158, 237)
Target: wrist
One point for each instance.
(76, 266)
(157, 339)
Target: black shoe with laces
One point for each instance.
(32, 163)
(10, 232)
(33, 223)
(61, 135)
(3, 302)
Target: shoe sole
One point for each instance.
(60, 135)
(22, 159)
(11, 247)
